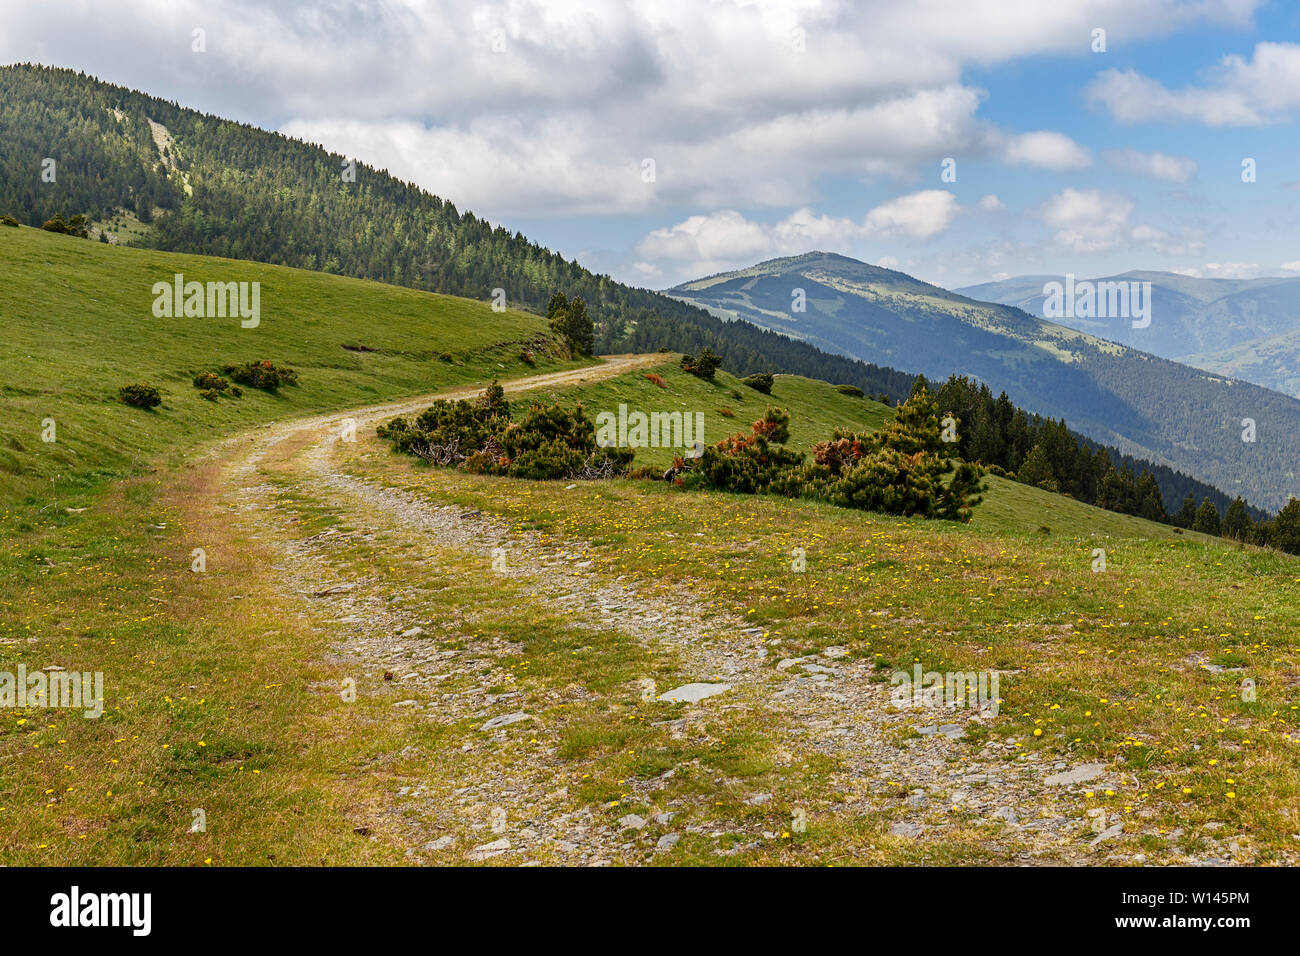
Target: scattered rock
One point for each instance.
(758, 799)
(334, 589)
(667, 842)
(912, 830)
(631, 822)
(505, 720)
(1079, 774)
(1109, 833)
(489, 850)
(692, 693)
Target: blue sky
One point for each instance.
(775, 126)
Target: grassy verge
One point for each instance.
(1175, 666)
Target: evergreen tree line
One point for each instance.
(1045, 453)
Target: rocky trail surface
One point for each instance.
(487, 776)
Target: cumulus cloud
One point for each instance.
(1088, 220)
(1174, 169)
(520, 107)
(1092, 221)
(1238, 92)
(1221, 270)
(727, 239)
(991, 203)
(1047, 150)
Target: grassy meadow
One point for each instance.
(214, 681)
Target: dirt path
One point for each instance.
(492, 798)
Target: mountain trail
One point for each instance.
(361, 578)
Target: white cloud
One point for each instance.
(1238, 92)
(1046, 150)
(1091, 221)
(1291, 266)
(559, 120)
(1088, 220)
(727, 239)
(1190, 243)
(916, 216)
(991, 203)
(1220, 270)
(1174, 169)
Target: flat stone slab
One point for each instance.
(489, 850)
(1079, 774)
(691, 693)
(951, 731)
(505, 720)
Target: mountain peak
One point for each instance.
(830, 262)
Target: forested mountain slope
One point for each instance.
(153, 173)
(1143, 405)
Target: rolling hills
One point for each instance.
(152, 173)
(1143, 405)
(332, 564)
(78, 324)
(1247, 329)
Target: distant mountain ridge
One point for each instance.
(1145, 406)
(1244, 328)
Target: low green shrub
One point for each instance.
(140, 395)
(703, 366)
(262, 374)
(549, 442)
(76, 226)
(210, 382)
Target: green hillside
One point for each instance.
(1150, 408)
(1244, 328)
(235, 711)
(150, 172)
(78, 324)
(816, 409)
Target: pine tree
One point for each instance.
(914, 427)
(1186, 516)
(1037, 470)
(1207, 518)
(1286, 528)
(1148, 500)
(1236, 521)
